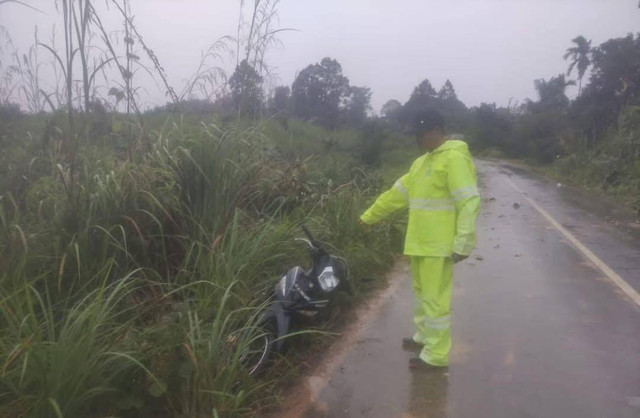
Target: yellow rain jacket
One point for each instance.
(441, 192)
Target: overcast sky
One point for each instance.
(491, 50)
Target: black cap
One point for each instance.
(426, 120)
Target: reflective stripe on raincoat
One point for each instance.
(441, 193)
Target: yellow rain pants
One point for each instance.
(440, 191)
(432, 286)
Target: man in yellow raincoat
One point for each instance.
(441, 193)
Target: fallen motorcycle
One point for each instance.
(297, 294)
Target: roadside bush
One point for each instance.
(614, 165)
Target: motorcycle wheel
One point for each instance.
(258, 351)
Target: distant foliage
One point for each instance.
(9, 111)
(492, 127)
(246, 90)
(280, 102)
(593, 140)
(538, 129)
(191, 106)
(358, 105)
(425, 96)
(391, 110)
(551, 95)
(454, 111)
(318, 92)
(321, 93)
(614, 84)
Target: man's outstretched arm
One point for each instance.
(390, 201)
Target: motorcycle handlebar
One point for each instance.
(309, 235)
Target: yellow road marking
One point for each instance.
(608, 271)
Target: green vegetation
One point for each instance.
(120, 286)
(591, 141)
(613, 165)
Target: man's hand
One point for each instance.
(458, 257)
(364, 225)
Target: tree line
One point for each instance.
(321, 93)
(545, 128)
(553, 126)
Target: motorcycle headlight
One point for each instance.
(282, 286)
(327, 279)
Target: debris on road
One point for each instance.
(516, 205)
(479, 258)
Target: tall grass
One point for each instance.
(65, 360)
(118, 299)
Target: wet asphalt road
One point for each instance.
(538, 329)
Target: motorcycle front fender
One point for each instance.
(275, 313)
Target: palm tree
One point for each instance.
(580, 56)
(551, 93)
